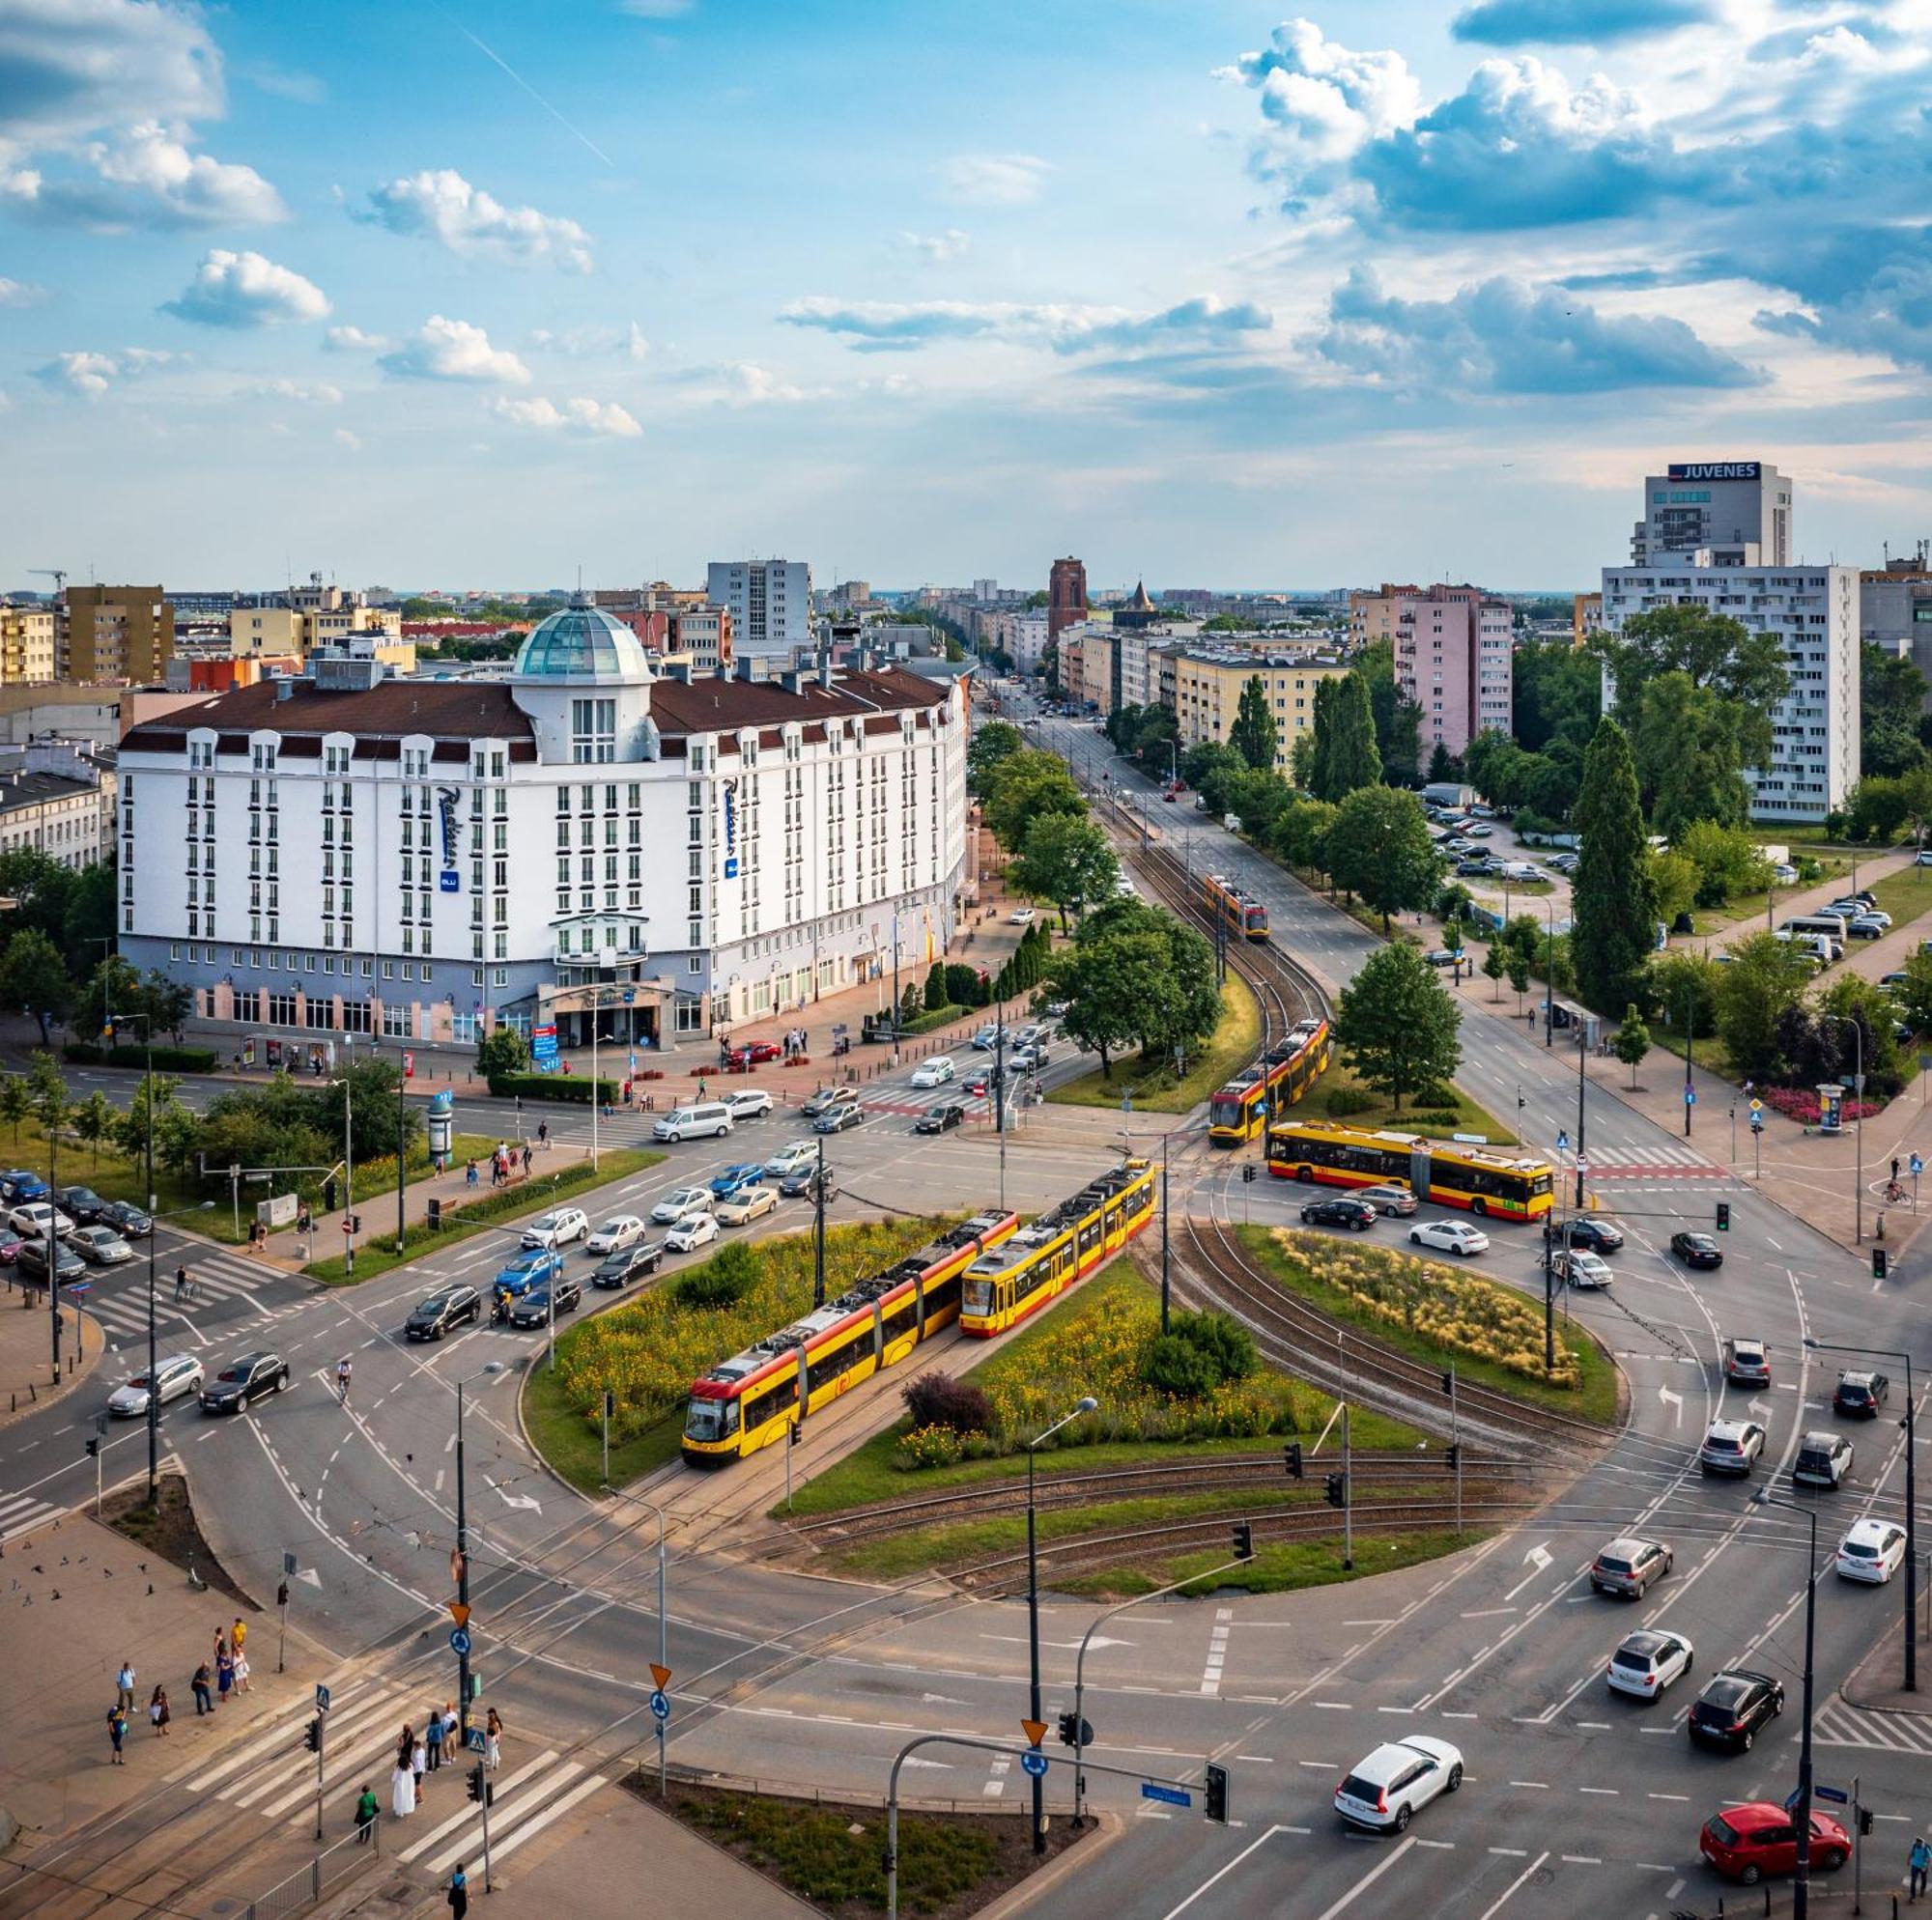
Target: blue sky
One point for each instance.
(477, 294)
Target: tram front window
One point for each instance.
(704, 1419)
(978, 1296)
(1226, 1110)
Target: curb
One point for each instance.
(1016, 1900)
(1892, 1636)
(536, 1453)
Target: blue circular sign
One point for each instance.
(459, 1641)
(659, 1707)
(1033, 1761)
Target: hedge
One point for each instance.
(555, 1087)
(167, 1060)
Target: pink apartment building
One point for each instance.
(1452, 657)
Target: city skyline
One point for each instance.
(1221, 297)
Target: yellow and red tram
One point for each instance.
(1241, 1109)
(1447, 1173)
(1238, 912)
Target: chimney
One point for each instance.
(285, 687)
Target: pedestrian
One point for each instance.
(123, 1681)
(527, 1154)
(117, 1732)
(418, 1763)
(492, 1750)
(406, 1743)
(157, 1711)
(459, 1893)
(469, 1173)
(700, 1087)
(240, 1673)
(366, 1805)
(224, 1676)
(203, 1703)
(220, 1644)
(402, 1791)
(543, 1133)
(1894, 1169)
(432, 1738)
(450, 1730)
(1921, 1861)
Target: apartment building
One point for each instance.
(114, 633)
(1208, 683)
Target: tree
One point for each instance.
(47, 1093)
(113, 987)
(1398, 722)
(1557, 693)
(1187, 1009)
(723, 1281)
(501, 1051)
(1304, 756)
(1766, 977)
(1614, 898)
(1379, 848)
(1258, 798)
(1068, 860)
(1397, 1025)
(1301, 832)
(937, 998)
(996, 740)
(1891, 697)
(1350, 759)
(1691, 746)
(1674, 880)
(1630, 1042)
(1494, 967)
(1104, 983)
(33, 977)
(1685, 985)
(17, 1102)
(1442, 765)
(94, 1121)
(1727, 861)
(168, 1003)
(1021, 788)
(1914, 993)
(1254, 735)
(1518, 973)
(1710, 649)
(1200, 764)
(1852, 997)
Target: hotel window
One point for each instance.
(593, 731)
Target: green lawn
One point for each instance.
(1236, 1040)
(1274, 1569)
(1470, 1115)
(574, 1449)
(1905, 895)
(1595, 1399)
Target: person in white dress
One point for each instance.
(401, 1791)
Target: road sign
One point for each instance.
(1917, 1166)
(1033, 1763)
(477, 1740)
(1758, 1106)
(458, 1642)
(660, 1675)
(659, 1707)
(288, 1563)
(1837, 1795)
(1582, 1163)
(321, 1698)
(1690, 1096)
(1562, 1140)
(1168, 1796)
(459, 1613)
(1757, 1123)
(1035, 1731)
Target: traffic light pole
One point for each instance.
(321, 1741)
(1348, 1498)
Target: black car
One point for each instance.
(1594, 1236)
(939, 1118)
(125, 1218)
(803, 1184)
(32, 1263)
(1861, 1394)
(453, 1307)
(1697, 1250)
(249, 1378)
(1340, 1211)
(81, 1204)
(628, 1263)
(533, 1310)
(1734, 1706)
(837, 1119)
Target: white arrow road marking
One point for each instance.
(309, 1574)
(1761, 1409)
(1069, 1646)
(1671, 1400)
(939, 1700)
(1538, 1561)
(522, 1500)
(913, 1759)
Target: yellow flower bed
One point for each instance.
(1458, 1310)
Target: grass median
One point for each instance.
(1235, 1041)
(1343, 1097)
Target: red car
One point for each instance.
(751, 1055)
(1745, 1843)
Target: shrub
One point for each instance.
(167, 1060)
(553, 1086)
(1179, 1369)
(723, 1281)
(937, 1399)
(927, 1447)
(1346, 1100)
(1225, 1342)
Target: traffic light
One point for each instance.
(1244, 1540)
(1335, 1490)
(1217, 1794)
(355, 1223)
(282, 1595)
(1075, 1731)
(479, 1792)
(1864, 1820)
(1291, 1455)
(313, 1739)
(1247, 1173)
(1455, 1455)
(435, 1214)
(1880, 1262)
(1723, 1216)
(93, 1448)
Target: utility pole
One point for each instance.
(348, 1167)
(1581, 1083)
(1454, 1447)
(1164, 1287)
(1689, 1092)
(1348, 1496)
(1000, 1095)
(401, 1132)
(817, 1239)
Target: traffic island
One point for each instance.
(832, 1853)
(171, 1533)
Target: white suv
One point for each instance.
(793, 1157)
(1731, 1447)
(747, 1103)
(558, 1228)
(679, 1201)
(1871, 1551)
(1382, 1790)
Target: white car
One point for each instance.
(793, 1157)
(179, 1373)
(30, 1222)
(1582, 1268)
(746, 1205)
(1871, 1551)
(1648, 1661)
(935, 1072)
(1021, 917)
(679, 1201)
(747, 1103)
(557, 1229)
(1383, 1791)
(692, 1232)
(1450, 1236)
(621, 1230)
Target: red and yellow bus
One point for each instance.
(1447, 1173)
(1276, 1081)
(1236, 910)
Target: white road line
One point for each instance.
(1367, 1880)
(457, 1819)
(1224, 1871)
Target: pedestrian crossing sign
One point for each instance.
(475, 1740)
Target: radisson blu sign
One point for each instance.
(1713, 469)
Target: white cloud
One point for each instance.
(72, 67)
(243, 290)
(936, 247)
(994, 179)
(591, 342)
(443, 206)
(317, 393)
(904, 325)
(353, 340)
(454, 350)
(343, 437)
(601, 418)
(90, 374)
(20, 293)
(151, 178)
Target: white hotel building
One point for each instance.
(422, 859)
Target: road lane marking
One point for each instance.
(1224, 1871)
(1363, 1884)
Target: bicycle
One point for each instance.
(342, 1382)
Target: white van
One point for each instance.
(1520, 870)
(707, 1119)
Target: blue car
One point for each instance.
(19, 1187)
(529, 1270)
(746, 1173)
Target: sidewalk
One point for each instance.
(1877, 1682)
(26, 1350)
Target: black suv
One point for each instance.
(1861, 1394)
(1697, 1250)
(1734, 1707)
(533, 1310)
(127, 1219)
(628, 1263)
(1593, 1237)
(81, 1204)
(1340, 1211)
(453, 1307)
(249, 1378)
(32, 1263)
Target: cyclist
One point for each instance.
(342, 1371)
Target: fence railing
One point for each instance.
(326, 1871)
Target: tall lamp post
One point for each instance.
(1550, 974)
(1910, 1494)
(663, 1658)
(1086, 1405)
(463, 1556)
(1690, 1028)
(1801, 1813)
(153, 1395)
(1858, 1129)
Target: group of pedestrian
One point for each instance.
(504, 1162)
(794, 1044)
(420, 1753)
(118, 1714)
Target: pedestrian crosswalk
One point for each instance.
(1673, 1162)
(119, 1298)
(20, 1514)
(1840, 1723)
(275, 1775)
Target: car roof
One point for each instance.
(1728, 1430)
(1740, 1342)
(1647, 1640)
(1862, 1378)
(1825, 1437)
(1870, 1531)
(1627, 1544)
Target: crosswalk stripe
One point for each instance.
(205, 1777)
(582, 1790)
(11, 1504)
(36, 1514)
(457, 1819)
(339, 1769)
(547, 1789)
(369, 1738)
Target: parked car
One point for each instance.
(621, 1231)
(1443, 956)
(10, 1247)
(941, 1118)
(443, 1312)
(1387, 1198)
(1697, 1250)
(1869, 926)
(747, 1103)
(1823, 1460)
(1025, 915)
(18, 1185)
(99, 1246)
(835, 1120)
(1648, 1661)
(126, 1220)
(1593, 1235)
(249, 1378)
(1731, 1447)
(803, 1185)
(30, 1262)
(1746, 1361)
(28, 1220)
(679, 1201)
(1734, 1706)
(557, 1229)
(81, 1204)
(1871, 1551)
(1384, 1790)
(1861, 1394)
(755, 1053)
(628, 1263)
(1348, 1210)
(743, 1173)
(1581, 1268)
(1450, 1236)
(179, 1373)
(1748, 1841)
(1629, 1566)
(826, 1098)
(746, 1204)
(935, 1072)
(693, 1230)
(534, 1309)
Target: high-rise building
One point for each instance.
(1453, 657)
(1739, 510)
(1066, 597)
(26, 644)
(1895, 608)
(770, 604)
(115, 632)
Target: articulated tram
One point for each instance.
(1238, 912)
(1276, 1081)
(752, 1398)
(1043, 1260)
(1445, 1171)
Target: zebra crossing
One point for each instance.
(1840, 1723)
(220, 1277)
(275, 1775)
(1650, 1163)
(20, 1514)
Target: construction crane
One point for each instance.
(58, 575)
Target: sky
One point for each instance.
(483, 293)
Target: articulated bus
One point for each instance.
(1042, 1262)
(751, 1399)
(1238, 912)
(1276, 1081)
(1444, 1171)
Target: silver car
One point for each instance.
(100, 1245)
(178, 1373)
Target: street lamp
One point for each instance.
(1087, 1404)
(1800, 1887)
(1550, 974)
(1911, 1493)
(153, 1388)
(463, 1556)
(1858, 1129)
(663, 1658)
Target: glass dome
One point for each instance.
(583, 642)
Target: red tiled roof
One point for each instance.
(446, 709)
